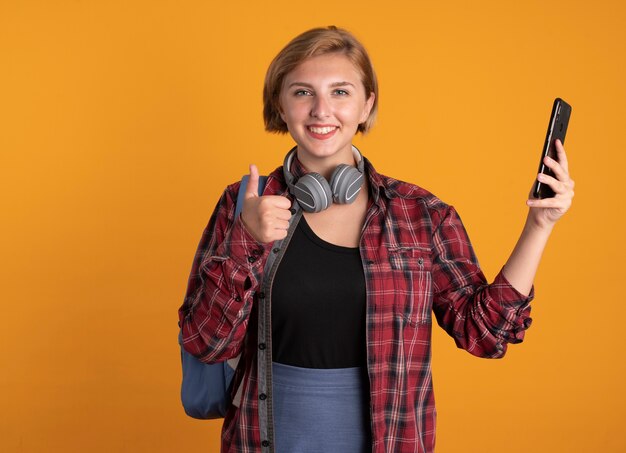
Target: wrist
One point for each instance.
(537, 226)
(247, 231)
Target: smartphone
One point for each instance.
(557, 127)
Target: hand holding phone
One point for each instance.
(557, 128)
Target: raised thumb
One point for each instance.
(252, 190)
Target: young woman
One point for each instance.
(325, 283)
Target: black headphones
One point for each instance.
(314, 193)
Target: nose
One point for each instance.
(320, 107)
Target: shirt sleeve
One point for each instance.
(226, 272)
(482, 318)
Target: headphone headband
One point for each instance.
(314, 193)
(358, 158)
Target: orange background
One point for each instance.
(122, 121)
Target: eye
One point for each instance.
(302, 93)
(341, 92)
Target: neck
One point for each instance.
(325, 166)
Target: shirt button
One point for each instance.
(292, 210)
(262, 396)
(251, 259)
(256, 252)
(262, 346)
(369, 262)
(276, 250)
(237, 299)
(420, 261)
(265, 443)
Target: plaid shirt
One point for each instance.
(417, 260)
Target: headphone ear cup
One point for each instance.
(313, 192)
(346, 184)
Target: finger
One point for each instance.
(556, 185)
(275, 202)
(550, 203)
(279, 235)
(278, 201)
(275, 230)
(252, 190)
(281, 225)
(560, 188)
(283, 214)
(560, 153)
(558, 170)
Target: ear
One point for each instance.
(369, 103)
(280, 111)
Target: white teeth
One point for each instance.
(322, 130)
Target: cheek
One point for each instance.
(354, 113)
(294, 112)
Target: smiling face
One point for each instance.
(323, 101)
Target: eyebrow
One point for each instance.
(333, 85)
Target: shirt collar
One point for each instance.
(375, 181)
(297, 169)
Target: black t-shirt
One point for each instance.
(318, 304)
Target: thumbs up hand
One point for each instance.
(265, 217)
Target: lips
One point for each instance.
(321, 132)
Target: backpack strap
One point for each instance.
(242, 191)
(205, 388)
(240, 197)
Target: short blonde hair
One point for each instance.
(313, 43)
